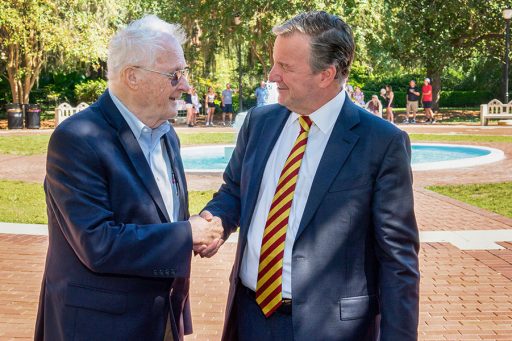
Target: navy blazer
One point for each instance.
(355, 258)
(116, 269)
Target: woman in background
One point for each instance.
(210, 106)
(389, 96)
(190, 107)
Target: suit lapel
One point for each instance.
(172, 147)
(265, 141)
(132, 148)
(341, 142)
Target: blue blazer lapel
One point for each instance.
(132, 148)
(341, 142)
(265, 140)
(173, 151)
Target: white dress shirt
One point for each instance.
(153, 147)
(323, 122)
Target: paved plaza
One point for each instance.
(465, 257)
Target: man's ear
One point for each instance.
(327, 76)
(130, 77)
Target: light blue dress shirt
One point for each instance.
(153, 147)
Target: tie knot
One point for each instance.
(305, 123)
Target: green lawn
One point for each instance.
(22, 202)
(190, 139)
(24, 144)
(459, 138)
(493, 197)
(38, 144)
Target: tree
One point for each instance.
(32, 32)
(436, 34)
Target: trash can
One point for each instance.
(14, 116)
(32, 116)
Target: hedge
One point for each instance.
(448, 99)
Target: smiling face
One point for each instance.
(297, 85)
(157, 94)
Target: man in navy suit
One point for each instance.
(322, 192)
(120, 236)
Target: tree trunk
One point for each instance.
(435, 77)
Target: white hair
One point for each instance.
(138, 43)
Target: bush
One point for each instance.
(448, 99)
(90, 90)
(453, 99)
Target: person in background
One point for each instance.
(190, 108)
(426, 99)
(227, 104)
(413, 95)
(374, 106)
(261, 94)
(209, 104)
(358, 97)
(389, 96)
(321, 191)
(120, 235)
(349, 89)
(196, 104)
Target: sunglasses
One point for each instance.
(174, 77)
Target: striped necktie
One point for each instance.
(270, 269)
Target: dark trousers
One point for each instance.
(254, 326)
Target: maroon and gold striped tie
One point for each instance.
(270, 269)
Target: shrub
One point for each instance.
(90, 90)
(448, 99)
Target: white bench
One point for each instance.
(495, 110)
(65, 110)
(181, 109)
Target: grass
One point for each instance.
(38, 144)
(495, 197)
(23, 202)
(190, 139)
(24, 144)
(459, 138)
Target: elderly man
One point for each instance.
(120, 244)
(322, 192)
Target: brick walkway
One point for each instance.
(465, 295)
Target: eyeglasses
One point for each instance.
(174, 77)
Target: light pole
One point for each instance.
(238, 21)
(507, 15)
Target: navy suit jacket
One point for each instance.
(116, 269)
(355, 258)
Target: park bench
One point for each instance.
(65, 110)
(495, 110)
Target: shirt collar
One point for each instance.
(325, 117)
(136, 125)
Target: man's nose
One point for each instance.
(274, 75)
(183, 85)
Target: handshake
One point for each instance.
(207, 234)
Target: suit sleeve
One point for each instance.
(77, 191)
(397, 244)
(226, 202)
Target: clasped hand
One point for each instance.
(207, 234)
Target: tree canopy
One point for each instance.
(65, 32)
(457, 39)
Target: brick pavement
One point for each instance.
(465, 295)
